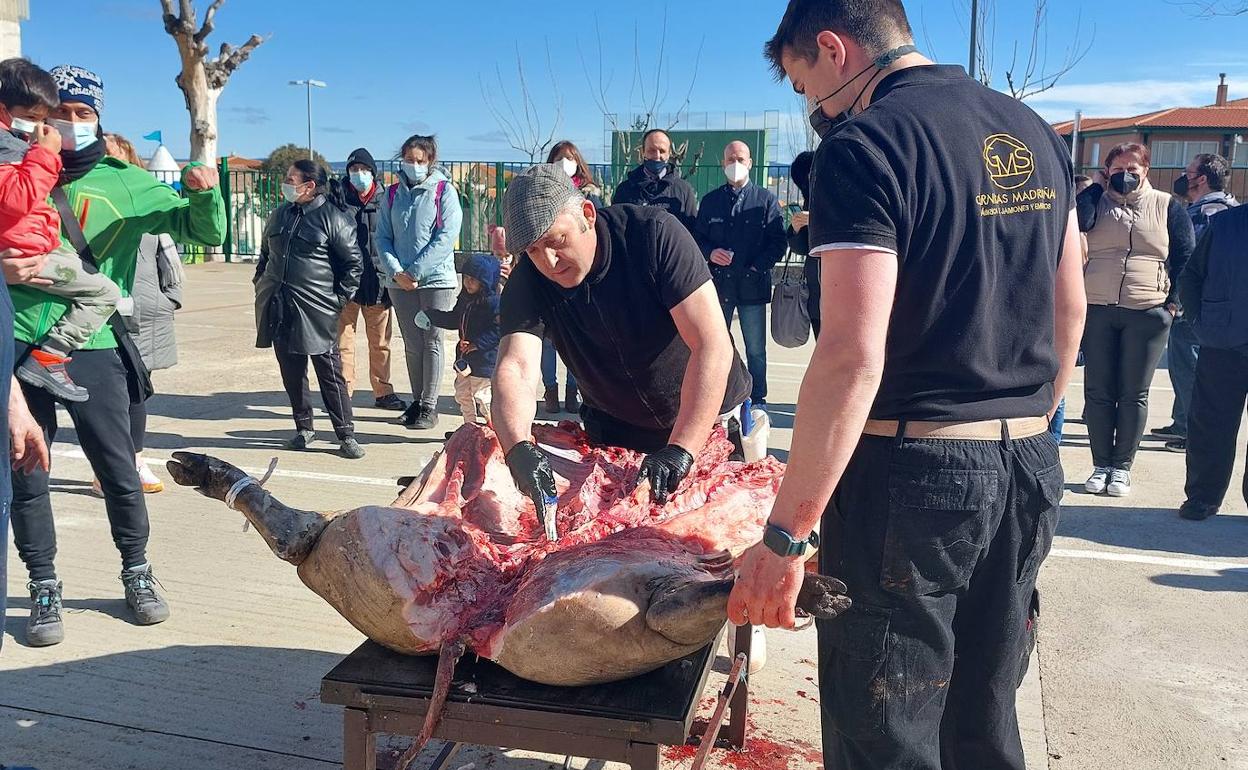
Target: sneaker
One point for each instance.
(151, 484)
(1098, 481)
(572, 401)
(551, 398)
(302, 440)
(44, 628)
(351, 449)
(1167, 432)
(47, 370)
(1119, 483)
(1179, 445)
(426, 420)
(391, 403)
(144, 600)
(1197, 511)
(410, 415)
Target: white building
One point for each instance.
(12, 14)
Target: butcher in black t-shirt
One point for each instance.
(625, 295)
(941, 213)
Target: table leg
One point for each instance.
(740, 704)
(359, 743)
(643, 756)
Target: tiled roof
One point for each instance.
(1233, 116)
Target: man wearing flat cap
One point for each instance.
(626, 296)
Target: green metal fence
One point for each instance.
(251, 196)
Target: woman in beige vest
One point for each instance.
(1139, 238)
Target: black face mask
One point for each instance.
(1182, 186)
(1124, 182)
(821, 123)
(76, 163)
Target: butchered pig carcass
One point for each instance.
(628, 587)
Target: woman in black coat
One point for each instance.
(310, 267)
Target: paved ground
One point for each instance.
(1142, 650)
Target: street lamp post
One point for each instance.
(310, 83)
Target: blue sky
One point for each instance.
(396, 67)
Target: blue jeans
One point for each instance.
(1058, 422)
(1181, 354)
(550, 358)
(754, 331)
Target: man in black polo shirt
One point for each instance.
(626, 296)
(951, 271)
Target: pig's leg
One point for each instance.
(290, 533)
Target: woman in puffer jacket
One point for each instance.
(1139, 239)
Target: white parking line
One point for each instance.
(1206, 565)
(159, 462)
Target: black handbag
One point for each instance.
(138, 378)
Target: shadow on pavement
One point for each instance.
(1155, 529)
(1227, 580)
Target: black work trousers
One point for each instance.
(328, 367)
(103, 427)
(1121, 350)
(940, 543)
(1218, 401)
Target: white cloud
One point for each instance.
(1125, 98)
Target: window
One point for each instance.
(1179, 154)
(1096, 154)
(1239, 154)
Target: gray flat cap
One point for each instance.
(532, 201)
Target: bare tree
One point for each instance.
(202, 79)
(1211, 8)
(648, 94)
(525, 128)
(1031, 70)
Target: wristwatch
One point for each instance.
(785, 545)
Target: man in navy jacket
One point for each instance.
(741, 232)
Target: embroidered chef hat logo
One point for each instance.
(1009, 162)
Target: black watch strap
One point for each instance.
(785, 545)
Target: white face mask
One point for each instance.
(415, 172)
(290, 192)
(569, 166)
(362, 180)
(24, 126)
(77, 136)
(737, 172)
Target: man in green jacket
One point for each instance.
(115, 204)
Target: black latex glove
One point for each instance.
(534, 477)
(665, 469)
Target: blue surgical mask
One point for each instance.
(361, 180)
(655, 167)
(77, 136)
(415, 172)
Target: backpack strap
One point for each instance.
(437, 204)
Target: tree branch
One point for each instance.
(229, 59)
(209, 21)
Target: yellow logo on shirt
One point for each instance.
(1009, 161)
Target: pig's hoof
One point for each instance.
(189, 469)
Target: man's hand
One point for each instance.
(201, 178)
(23, 271)
(799, 221)
(665, 469)
(533, 476)
(28, 450)
(48, 138)
(405, 282)
(766, 590)
(721, 257)
(1175, 310)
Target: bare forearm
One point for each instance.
(514, 405)
(1067, 337)
(833, 406)
(702, 396)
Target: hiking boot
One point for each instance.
(148, 606)
(391, 403)
(1179, 445)
(572, 401)
(551, 398)
(1170, 431)
(1119, 483)
(410, 415)
(47, 370)
(302, 440)
(1193, 511)
(1097, 482)
(426, 420)
(351, 449)
(44, 628)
